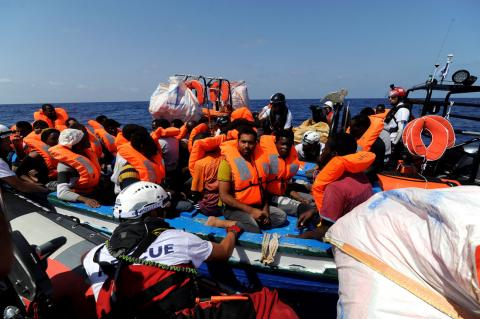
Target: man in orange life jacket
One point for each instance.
(241, 177)
(148, 270)
(340, 196)
(55, 117)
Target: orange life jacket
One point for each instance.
(200, 128)
(87, 166)
(95, 144)
(372, 133)
(203, 146)
(280, 170)
(59, 123)
(382, 115)
(199, 89)
(107, 139)
(335, 168)
(242, 113)
(183, 132)
(43, 149)
(32, 136)
(149, 170)
(165, 132)
(248, 177)
(120, 140)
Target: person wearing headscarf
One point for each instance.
(78, 167)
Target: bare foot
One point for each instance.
(215, 222)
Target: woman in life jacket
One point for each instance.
(55, 117)
(149, 270)
(78, 167)
(39, 166)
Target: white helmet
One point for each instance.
(140, 198)
(311, 137)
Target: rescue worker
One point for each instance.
(340, 186)
(78, 168)
(241, 178)
(395, 122)
(55, 117)
(147, 269)
(276, 115)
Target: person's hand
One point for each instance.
(259, 215)
(33, 174)
(16, 139)
(304, 218)
(90, 202)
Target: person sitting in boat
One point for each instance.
(21, 130)
(310, 148)
(38, 127)
(395, 122)
(39, 166)
(364, 132)
(241, 177)
(55, 117)
(380, 109)
(204, 161)
(169, 144)
(283, 166)
(78, 167)
(149, 270)
(340, 186)
(7, 176)
(276, 115)
(106, 130)
(319, 122)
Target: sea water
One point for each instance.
(137, 112)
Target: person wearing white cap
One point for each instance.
(319, 122)
(78, 167)
(6, 174)
(309, 149)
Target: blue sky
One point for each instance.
(103, 50)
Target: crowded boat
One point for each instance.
(213, 181)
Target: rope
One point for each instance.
(269, 248)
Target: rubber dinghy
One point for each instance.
(297, 264)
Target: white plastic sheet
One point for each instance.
(174, 100)
(430, 236)
(239, 93)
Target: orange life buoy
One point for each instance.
(219, 94)
(442, 135)
(199, 90)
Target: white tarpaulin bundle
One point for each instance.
(239, 94)
(174, 100)
(427, 242)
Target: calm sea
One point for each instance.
(137, 112)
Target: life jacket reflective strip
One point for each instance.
(217, 94)
(183, 132)
(443, 137)
(199, 89)
(203, 146)
(59, 123)
(95, 144)
(242, 113)
(335, 168)
(87, 166)
(372, 133)
(120, 140)
(43, 149)
(248, 177)
(280, 170)
(149, 170)
(200, 128)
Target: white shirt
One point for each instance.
(401, 116)
(301, 154)
(172, 247)
(266, 113)
(5, 170)
(170, 152)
